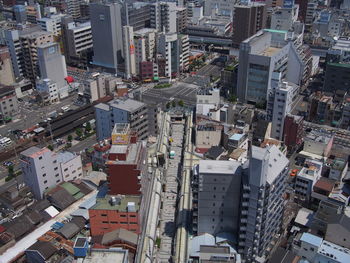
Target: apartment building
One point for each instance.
(245, 200)
(8, 103)
(77, 41)
(42, 169)
(99, 85)
(282, 18)
(122, 110)
(129, 51)
(163, 17)
(293, 131)
(51, 24)
(48, 89)
(73, 8)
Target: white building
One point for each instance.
(70, 165)
(306, 179)
(51, 24)
(315, 249)
(168, 48)
(163, 17)
(43, 169)
(50, 87)
(207, 100)
(284, 96)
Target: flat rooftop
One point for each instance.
(270, 51)
(218, 167)
(129, 105)
(121, 204)
(112, 255)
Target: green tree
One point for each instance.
(173, 103)
(167, 105)
(78, 132)
(70, 138)
(181, 103)
(88, 127)
(50, 147)
(11, 170)
(233, 98)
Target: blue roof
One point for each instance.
(57, 225)
(236, 136)
(311, 239)
(89, 202)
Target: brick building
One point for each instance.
(115, 212)
(293, 131)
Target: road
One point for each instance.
(82, 145)
(170, 195)
(30, 115)
(179, 91)
(31, 238)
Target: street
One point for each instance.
(30, 115)
(82, 145)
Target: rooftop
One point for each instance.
(236, 136)
(129, 105)
(270, 51)
(218, 167)
(338, 164)
(121, 128)
(343, 65)
(334, 251)
(63, 157)
(112, 255)
(122, 202)
(311, 239)
(34, 152)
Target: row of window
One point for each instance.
(115, 222)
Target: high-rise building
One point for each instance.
(43, 168)
(284, 97)
(52, 64)
(163, 17)
(129, 51)
(123, 110)
(243, 199)
(145, 50)
(260, 57)
(248, 19)
(106, 26)
(20, 13)
(181, 19)
(73, 8)
(77, 41)
(283, 18)
(219, 7)
(6, 69)
(138, 15)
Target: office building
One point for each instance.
(43, 168)
(48, 89)
(52, 64)
(51, 24)
(122, 110)
(115, 212)
(245, 200)
(181, 19)
(284, 97)
(138, 16)
(106, 26)
(261, 57)
(6, 69)
(129, 51)
(77, 41)
(8, 103)
(248, 19)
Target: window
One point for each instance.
(44, 175)
(213, 220)
(103, 214)
(312, 249)
(58, 181)
(104, 222)
(45, 181)
(122, 215)
(132, 215)
(214, 196)
(133, 223)
(55, 161)
(123, 223)
(56, 168)
(114, 222)
(66, 169)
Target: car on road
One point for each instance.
(8, 163)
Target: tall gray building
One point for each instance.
(262, 55)
(52, 64)
(106, 26)
(242, 199)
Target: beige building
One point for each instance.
(145, 46)
(208, 134)
(6, 71)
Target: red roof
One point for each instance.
(2, 229)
